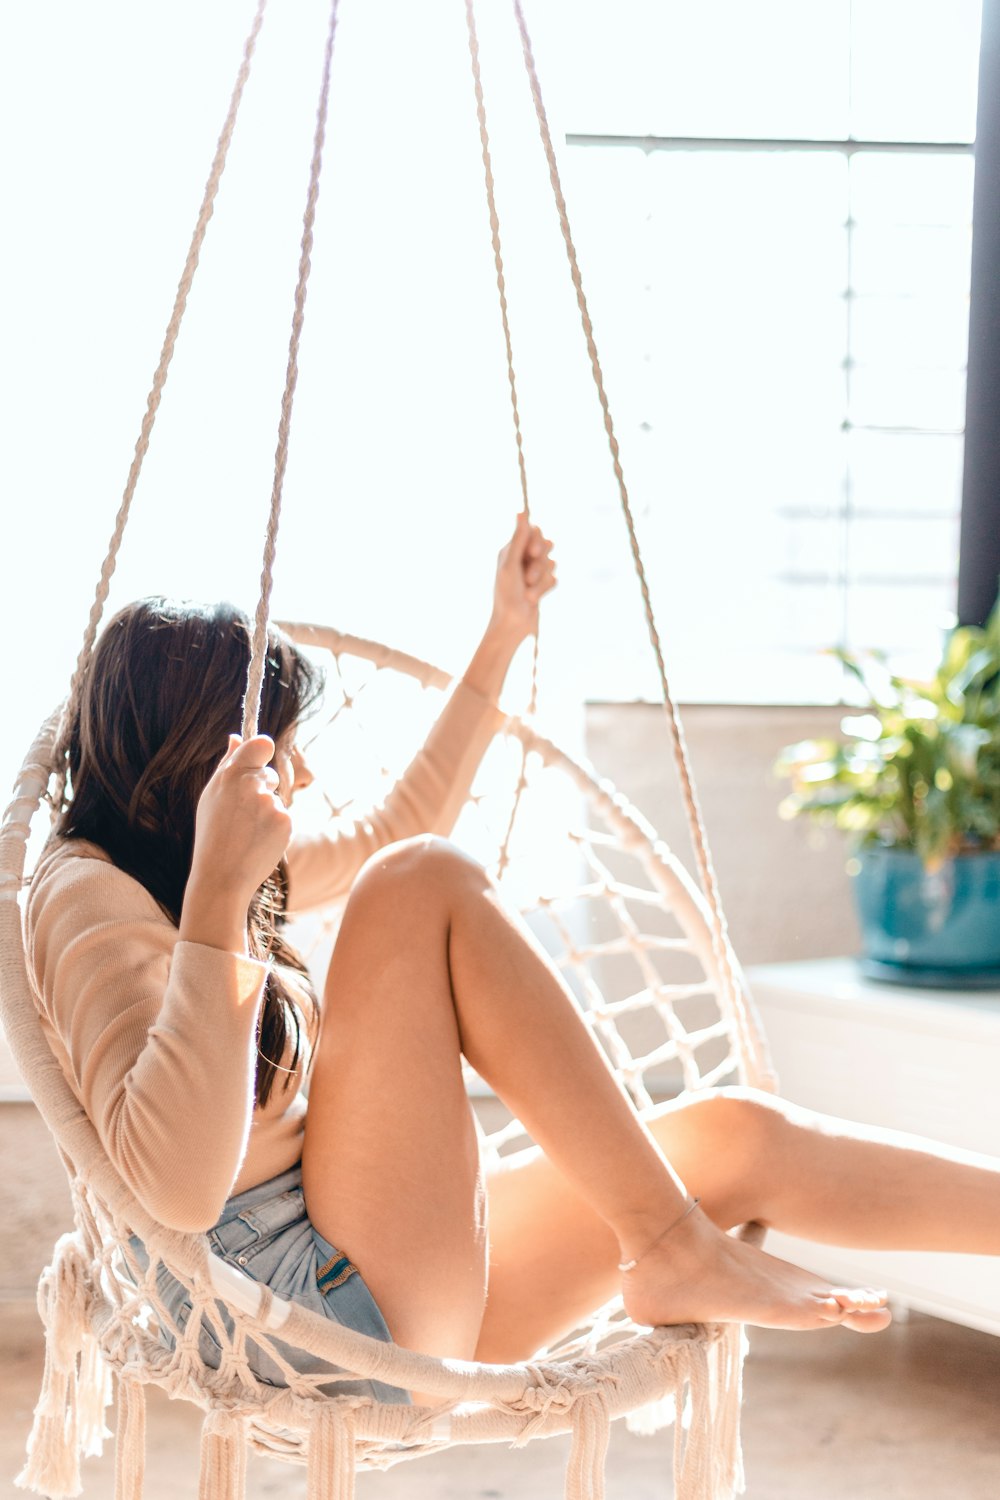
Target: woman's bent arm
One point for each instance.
(158, 1035)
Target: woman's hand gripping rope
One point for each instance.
(242, 830)
(525, 572)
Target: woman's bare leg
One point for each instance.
(428, 963)
(749, 1156)
(879, 1189)
(391, 1167)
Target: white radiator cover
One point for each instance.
(917, 1060)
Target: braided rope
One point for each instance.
(258, 652)
(722, 945)
(153, 401)
(484, 138)
(470, 18)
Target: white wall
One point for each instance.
(784, 887)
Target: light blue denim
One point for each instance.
(266, 1233)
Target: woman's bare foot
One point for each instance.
(698, 1274)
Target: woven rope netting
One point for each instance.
(646, 953)
(613, 907)
(630, 931)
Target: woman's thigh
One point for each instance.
(391, 1159)
(553, 1260)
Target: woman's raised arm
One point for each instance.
(431, 792)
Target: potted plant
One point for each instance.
(915, 783)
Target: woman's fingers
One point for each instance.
(534, 563)
(538, 546)
(251, 758)
(249, 755)
(525, 572)
(543, 586)
(527, 542)
(242, 826)
(530, 547)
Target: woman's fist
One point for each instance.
(525, 572)
(242, 827)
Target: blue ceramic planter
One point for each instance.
(937, 927)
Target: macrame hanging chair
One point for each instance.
(628, 907)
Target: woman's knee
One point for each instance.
(736, 1151)
(400, 912)
(740, 1119)
(427, 866)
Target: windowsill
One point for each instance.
(839, 983)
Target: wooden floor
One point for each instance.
(909, 1414)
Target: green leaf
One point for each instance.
(921, 770)
(980, 666)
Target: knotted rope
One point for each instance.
(258, 653)
(69, 1416)
(589, 1448)
(152, 405)
(503, 858)
(484, 138)
(223, 1456)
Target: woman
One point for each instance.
(187, 1026)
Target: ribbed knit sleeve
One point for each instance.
(427, 799)
(157, 1036)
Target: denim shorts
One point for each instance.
(265, 1232)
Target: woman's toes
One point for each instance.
(831, 1311)
(855, 1307)
(864, 1297)
(868, 1321)
(860, 1308)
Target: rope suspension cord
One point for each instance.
(152, 405)
(258, 652)
(470, 18)
(720, 938)
(721, 944)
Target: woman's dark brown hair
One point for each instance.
(164, 691)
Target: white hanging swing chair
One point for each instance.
(634, 904)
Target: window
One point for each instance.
(773, 207)
(772, 202)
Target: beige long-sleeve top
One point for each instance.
(157, 1037)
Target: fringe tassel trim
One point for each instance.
(331, 1455)
(69, 1417)
(708, 1459)
(223, 1457)
(589, 1449)
(130, 1443)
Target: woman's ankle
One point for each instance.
(641, 1233)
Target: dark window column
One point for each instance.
(979, 562)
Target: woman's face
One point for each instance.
(292, 768)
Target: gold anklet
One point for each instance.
(630, 1265)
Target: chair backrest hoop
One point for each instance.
(78, 1141)
(679, 890)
